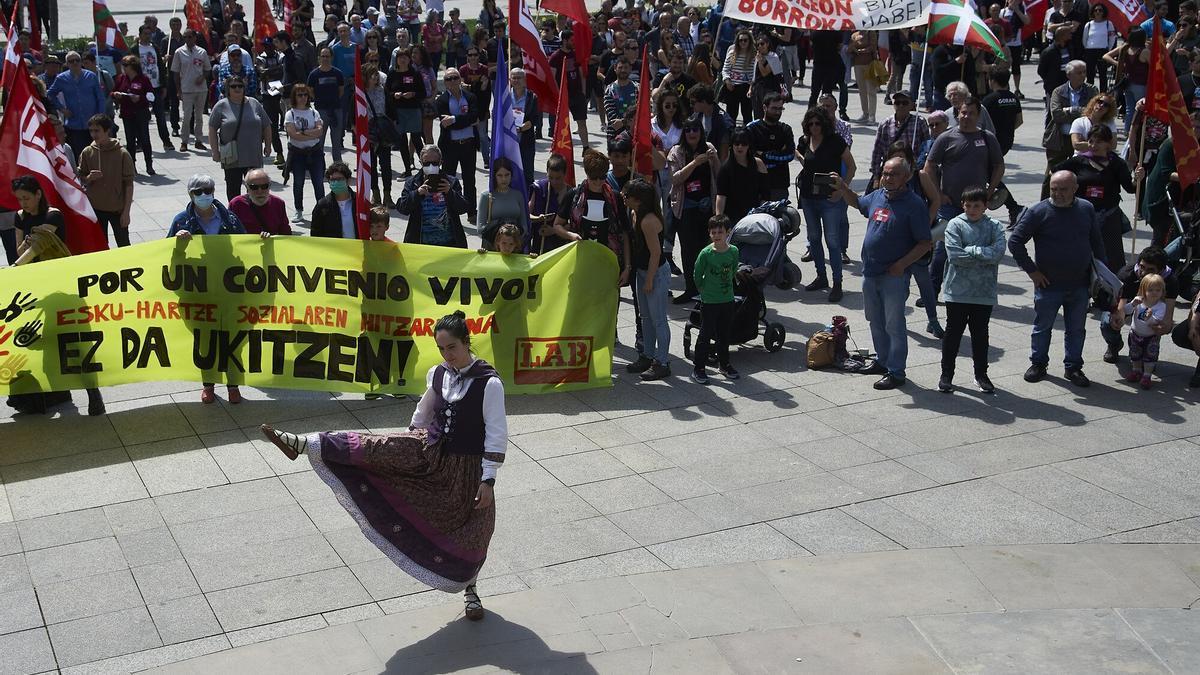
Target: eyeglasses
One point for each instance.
(451, 78)
(423, 163)
(691, 130)
(200, 191)
(258, 186)
(235, 87)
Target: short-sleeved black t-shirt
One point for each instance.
(827, 158)
(1004, 108)
(743, 187)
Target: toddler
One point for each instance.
(1149, 311)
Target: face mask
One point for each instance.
(432, 170)
(259, 199)
(338, 186)
(203, 201)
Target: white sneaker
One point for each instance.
(298, 218)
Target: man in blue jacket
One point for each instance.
(1066, 235)
(76, 95)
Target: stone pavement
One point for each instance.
(1050, 608)
(166, 531)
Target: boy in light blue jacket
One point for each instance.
(974, 246)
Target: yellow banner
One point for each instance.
(302, 313)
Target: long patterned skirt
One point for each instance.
(416, 503)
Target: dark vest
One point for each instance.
(460, 424)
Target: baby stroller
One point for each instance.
(761, 238)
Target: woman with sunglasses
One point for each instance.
(1101, 176)
(131, 89)
(1099, 36)
(741, 180)
(667, 129)
(404, 92)
(204, 215)
(768, 75)
(239, 133)
(1100, 111)
(433, 36)
(822, 153)
(42, 227)
(693, 166)
(305, 129)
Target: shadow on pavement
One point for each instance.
(493, 642)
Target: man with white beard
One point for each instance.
(260, 211)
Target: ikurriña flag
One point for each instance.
(107, 33)
(957, 22)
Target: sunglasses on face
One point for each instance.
(433, 163)
(451, 78)
(691, 130)
(201, 191)
(236, 87)
(258, 186)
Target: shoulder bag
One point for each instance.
(381, 130)
(229, 150)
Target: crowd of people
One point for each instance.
(720, 149)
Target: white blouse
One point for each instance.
(454, 387)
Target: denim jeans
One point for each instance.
(937, 266)
(1133, 93)
(1046, 303)
(822, 215)
(884, 298)
(656, 332)
(306, 165)
(915, 75)
(334, 128)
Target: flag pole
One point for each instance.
(1137, 195)
(924, 60)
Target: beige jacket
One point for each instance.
(117, 172)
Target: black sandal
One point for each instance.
(291, 449)
(474, 608)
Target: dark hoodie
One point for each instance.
(116, 175)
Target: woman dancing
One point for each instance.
(424, 497)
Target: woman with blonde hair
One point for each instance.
(1101, 110)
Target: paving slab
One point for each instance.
(62, 484)
(887, 646)
(26, 652)
(1169, 633)
(1063, 640)
(281, 599)
(826, 589)
(833, 531)
(103, 636)
(1085, 575)
(89, 596)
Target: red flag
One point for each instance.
(194, 12)
(1165, 103)
(107, 33)
(35, 27)
(538, 75)
(289, 10)
(264, 24)
(12, 53)
(1125, 14)
(28, 145)
(362, 122)
(643, 139)
(1035, 13)
(562, 132)
(581, 31)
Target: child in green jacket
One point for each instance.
(714, 274)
